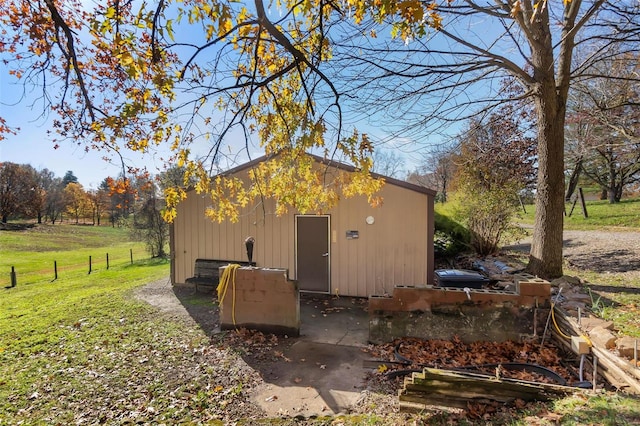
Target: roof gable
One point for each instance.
(341, 166)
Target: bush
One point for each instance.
(450, 237)
(488, 216)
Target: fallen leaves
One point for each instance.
(456, 354)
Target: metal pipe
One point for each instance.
(595, 372)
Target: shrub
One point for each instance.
(450, 237)
(488, 216)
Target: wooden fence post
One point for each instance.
(107, 260)
(55, 270)
(583, 204)
(89, 264)
(131, 255)
(14, 280)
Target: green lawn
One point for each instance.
(53, 334)
(32, 252)
(600, 215)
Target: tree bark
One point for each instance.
(612, 180)
(545, 259)
(550, 94)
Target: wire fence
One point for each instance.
(61, 268)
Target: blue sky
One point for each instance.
(32, 145)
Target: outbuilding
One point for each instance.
(352, 249)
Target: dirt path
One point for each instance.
(182, 303)
(599, 251)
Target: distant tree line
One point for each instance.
(39, 195)
(30, 194)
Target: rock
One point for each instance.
(626, 346)
(566, 281)
(576, 295)
(573, 305)
(602, 337)
(589, 323)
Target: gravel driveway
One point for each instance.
(599, 251)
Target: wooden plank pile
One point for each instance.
(619, 373)
(457, 389)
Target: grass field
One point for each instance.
(600, 215)
(33, 251)
(52, 332)
(82, 350)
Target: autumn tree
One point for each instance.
(34, 197)
(495, 163)
(99, 201)
(175, 177)
(17, 189)
(285, 75)
(76, 201)
(121, 193)
(436, 172)
(42, 179)
(148, 224)
(55, 198)
(603, 134)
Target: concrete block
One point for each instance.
(268, 305)
(589, 323)
(539, 288)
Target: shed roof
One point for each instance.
(338, 165)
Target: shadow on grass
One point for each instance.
(201, 307)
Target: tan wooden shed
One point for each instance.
(353, 249)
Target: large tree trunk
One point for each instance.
(545, 259)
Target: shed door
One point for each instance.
(312, 253)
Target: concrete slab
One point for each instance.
(320, 379)
(323, 374)
(334, 320)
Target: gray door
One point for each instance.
(312, 253)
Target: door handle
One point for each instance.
(326, 254)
